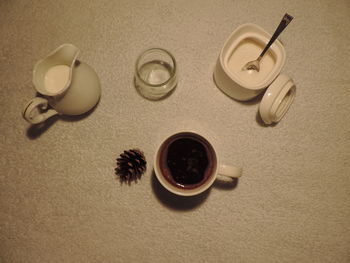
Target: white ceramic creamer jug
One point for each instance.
(69, 86)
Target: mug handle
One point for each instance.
(230, 171)
(40, 103)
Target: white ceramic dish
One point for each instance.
(279, 96)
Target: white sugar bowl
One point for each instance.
(243, 45)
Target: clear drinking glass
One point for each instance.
(156, 73)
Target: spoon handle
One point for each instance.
(283, 24)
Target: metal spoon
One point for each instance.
(255, 64)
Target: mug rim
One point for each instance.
(185, 192)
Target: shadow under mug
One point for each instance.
(213, 170)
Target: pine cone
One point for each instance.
(131, 165)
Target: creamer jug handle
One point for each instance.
(35, 118)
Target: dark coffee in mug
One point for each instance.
(187, 160)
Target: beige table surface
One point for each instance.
(59, 198)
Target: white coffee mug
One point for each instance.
(213, 169)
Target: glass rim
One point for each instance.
(172, 74)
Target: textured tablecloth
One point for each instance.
(59, 198)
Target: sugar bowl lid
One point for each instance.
(277, 99)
